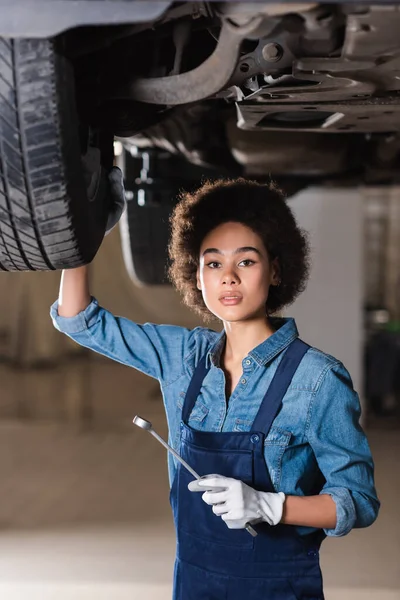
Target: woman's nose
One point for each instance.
(230, 277)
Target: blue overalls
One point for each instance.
(217, 563)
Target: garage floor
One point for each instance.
(85, 515)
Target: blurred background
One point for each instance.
(84, 509)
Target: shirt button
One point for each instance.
(243, 380)
(254, 438)
(248, 362)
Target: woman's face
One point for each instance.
(235, 273)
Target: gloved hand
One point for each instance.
(93, 174)
(238, 503)
(118, 200)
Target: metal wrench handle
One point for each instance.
(147, 426)
(177, 456)
(248, 527)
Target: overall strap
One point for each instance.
(272, 400)
(194, 388)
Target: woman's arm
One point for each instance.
(310, 511)
(238, 504)
(342, 453)
(74, 295)
(159, 351)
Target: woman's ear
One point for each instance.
(275, 273)
(198, 282)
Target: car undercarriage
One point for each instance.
(303, 93)
(256, 86)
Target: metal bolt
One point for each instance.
(272, 52)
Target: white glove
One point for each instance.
(117, 192)
(237, 503)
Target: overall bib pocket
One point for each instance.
(275, 445)
(195, 517)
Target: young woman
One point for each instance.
(274, 421)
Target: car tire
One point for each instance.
(52, 213)
(144, 238)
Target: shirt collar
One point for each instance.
(285, 333)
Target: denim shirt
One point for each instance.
(315, 444)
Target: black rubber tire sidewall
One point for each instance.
(46, 218)
(89, 218)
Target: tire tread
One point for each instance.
(30, 239)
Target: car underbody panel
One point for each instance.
(218, 81)
(46, 18)
(355, 91)
(278, 70)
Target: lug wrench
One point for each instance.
(147, 426)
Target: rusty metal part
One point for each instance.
(272, 52)
(240, 12)
(310, 34)
(363, 115)
(204, 81)
(311, 81)
(292, 153)
(358, 91)
(375, 31)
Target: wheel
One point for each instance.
(153, 181)
(52, 213)
(144, 237)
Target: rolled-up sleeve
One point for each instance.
(159, 351)
(342, 451)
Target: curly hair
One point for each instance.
(262, 208)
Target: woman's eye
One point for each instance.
(247, 262)
(213, 264)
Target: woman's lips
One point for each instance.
(230, 300)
